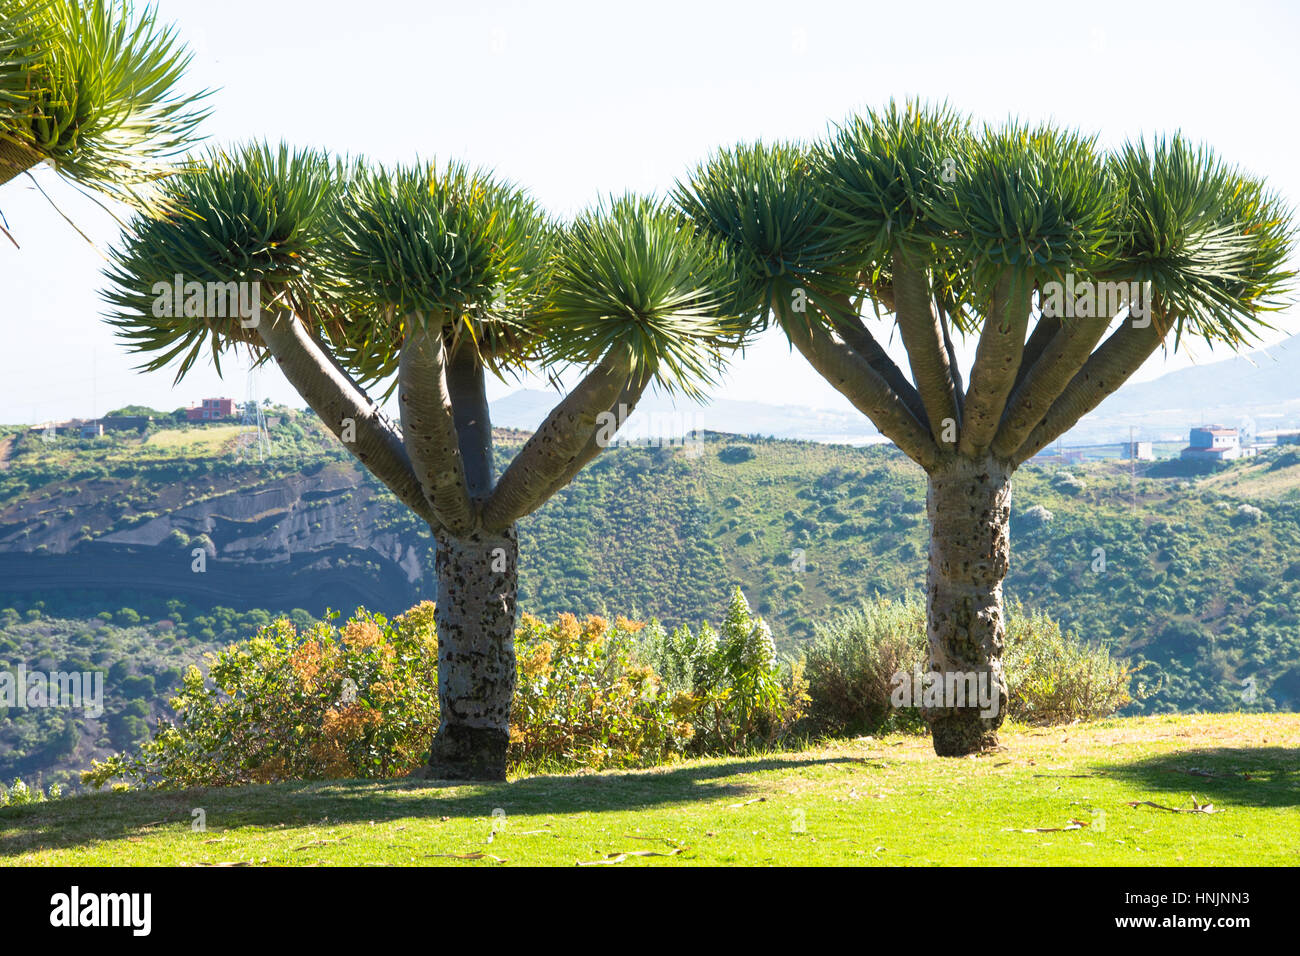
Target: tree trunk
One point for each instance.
(969, 504)
(477, 584)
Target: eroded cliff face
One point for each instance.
(327, 537)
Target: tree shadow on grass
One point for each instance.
(1231, 776)
(87, 819)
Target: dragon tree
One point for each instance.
(1066, 267)
(426, 279)
(90, 87)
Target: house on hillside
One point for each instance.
(1137, 451)
(1214, 443)
(212, 409)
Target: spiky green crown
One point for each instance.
(255, 215)
(450, 246)
(91, 87)
(632, 275)
(915, 181)
(764, 204)
(363, 253)
(1213, 242)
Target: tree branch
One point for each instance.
(918, 322)
(428, 425)
(559, 439)
(855, 379)
(1060, 359)
(1107, 369)
(622, 408)
(466, 383)
(997, 359)
(848, 323)
(334, 398)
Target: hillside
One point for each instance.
(1094, 794)
(1198, 579)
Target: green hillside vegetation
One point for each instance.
(1199, 588)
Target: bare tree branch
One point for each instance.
(428, 425)
(918, 322)
(1059, 361)
(558, 440)
(846, 321)
(1107, 369)
(997, 359)
(622, 407)
(853, 376)
(338, 401)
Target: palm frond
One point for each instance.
(254, 216)
(446, 244)
(91, 88)
(633, 275)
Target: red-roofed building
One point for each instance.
(1214, 443)
(212, 409)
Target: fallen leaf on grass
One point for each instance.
(612, 858)
(469, 856)
(1196, 806)
(226, 863)
(1072, 825)
(319, 843)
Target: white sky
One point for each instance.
(576, 100)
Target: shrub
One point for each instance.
(1052, 676)
(852, 662)
(729, 684)
(583, 698)
(352, 701)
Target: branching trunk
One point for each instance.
(997, 359)
(558, 440)
(429, 427)
(478, 582)
(918, 323)
(1122, 354)
(622, 407)
(855, 379)
(1053, 368)
(969, 504)
(343, 408)
(468, 388)
(848, 324)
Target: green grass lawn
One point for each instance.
(886, 801)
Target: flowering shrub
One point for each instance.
(20, 794)
(729, 685)
(583, 697)
(359, 700)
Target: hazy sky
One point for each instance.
(577, 100)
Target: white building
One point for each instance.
(1215, 443)
(1137, 451)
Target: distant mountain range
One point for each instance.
(1260, 389)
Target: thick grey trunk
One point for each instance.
(478, 581)
(969, 504)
